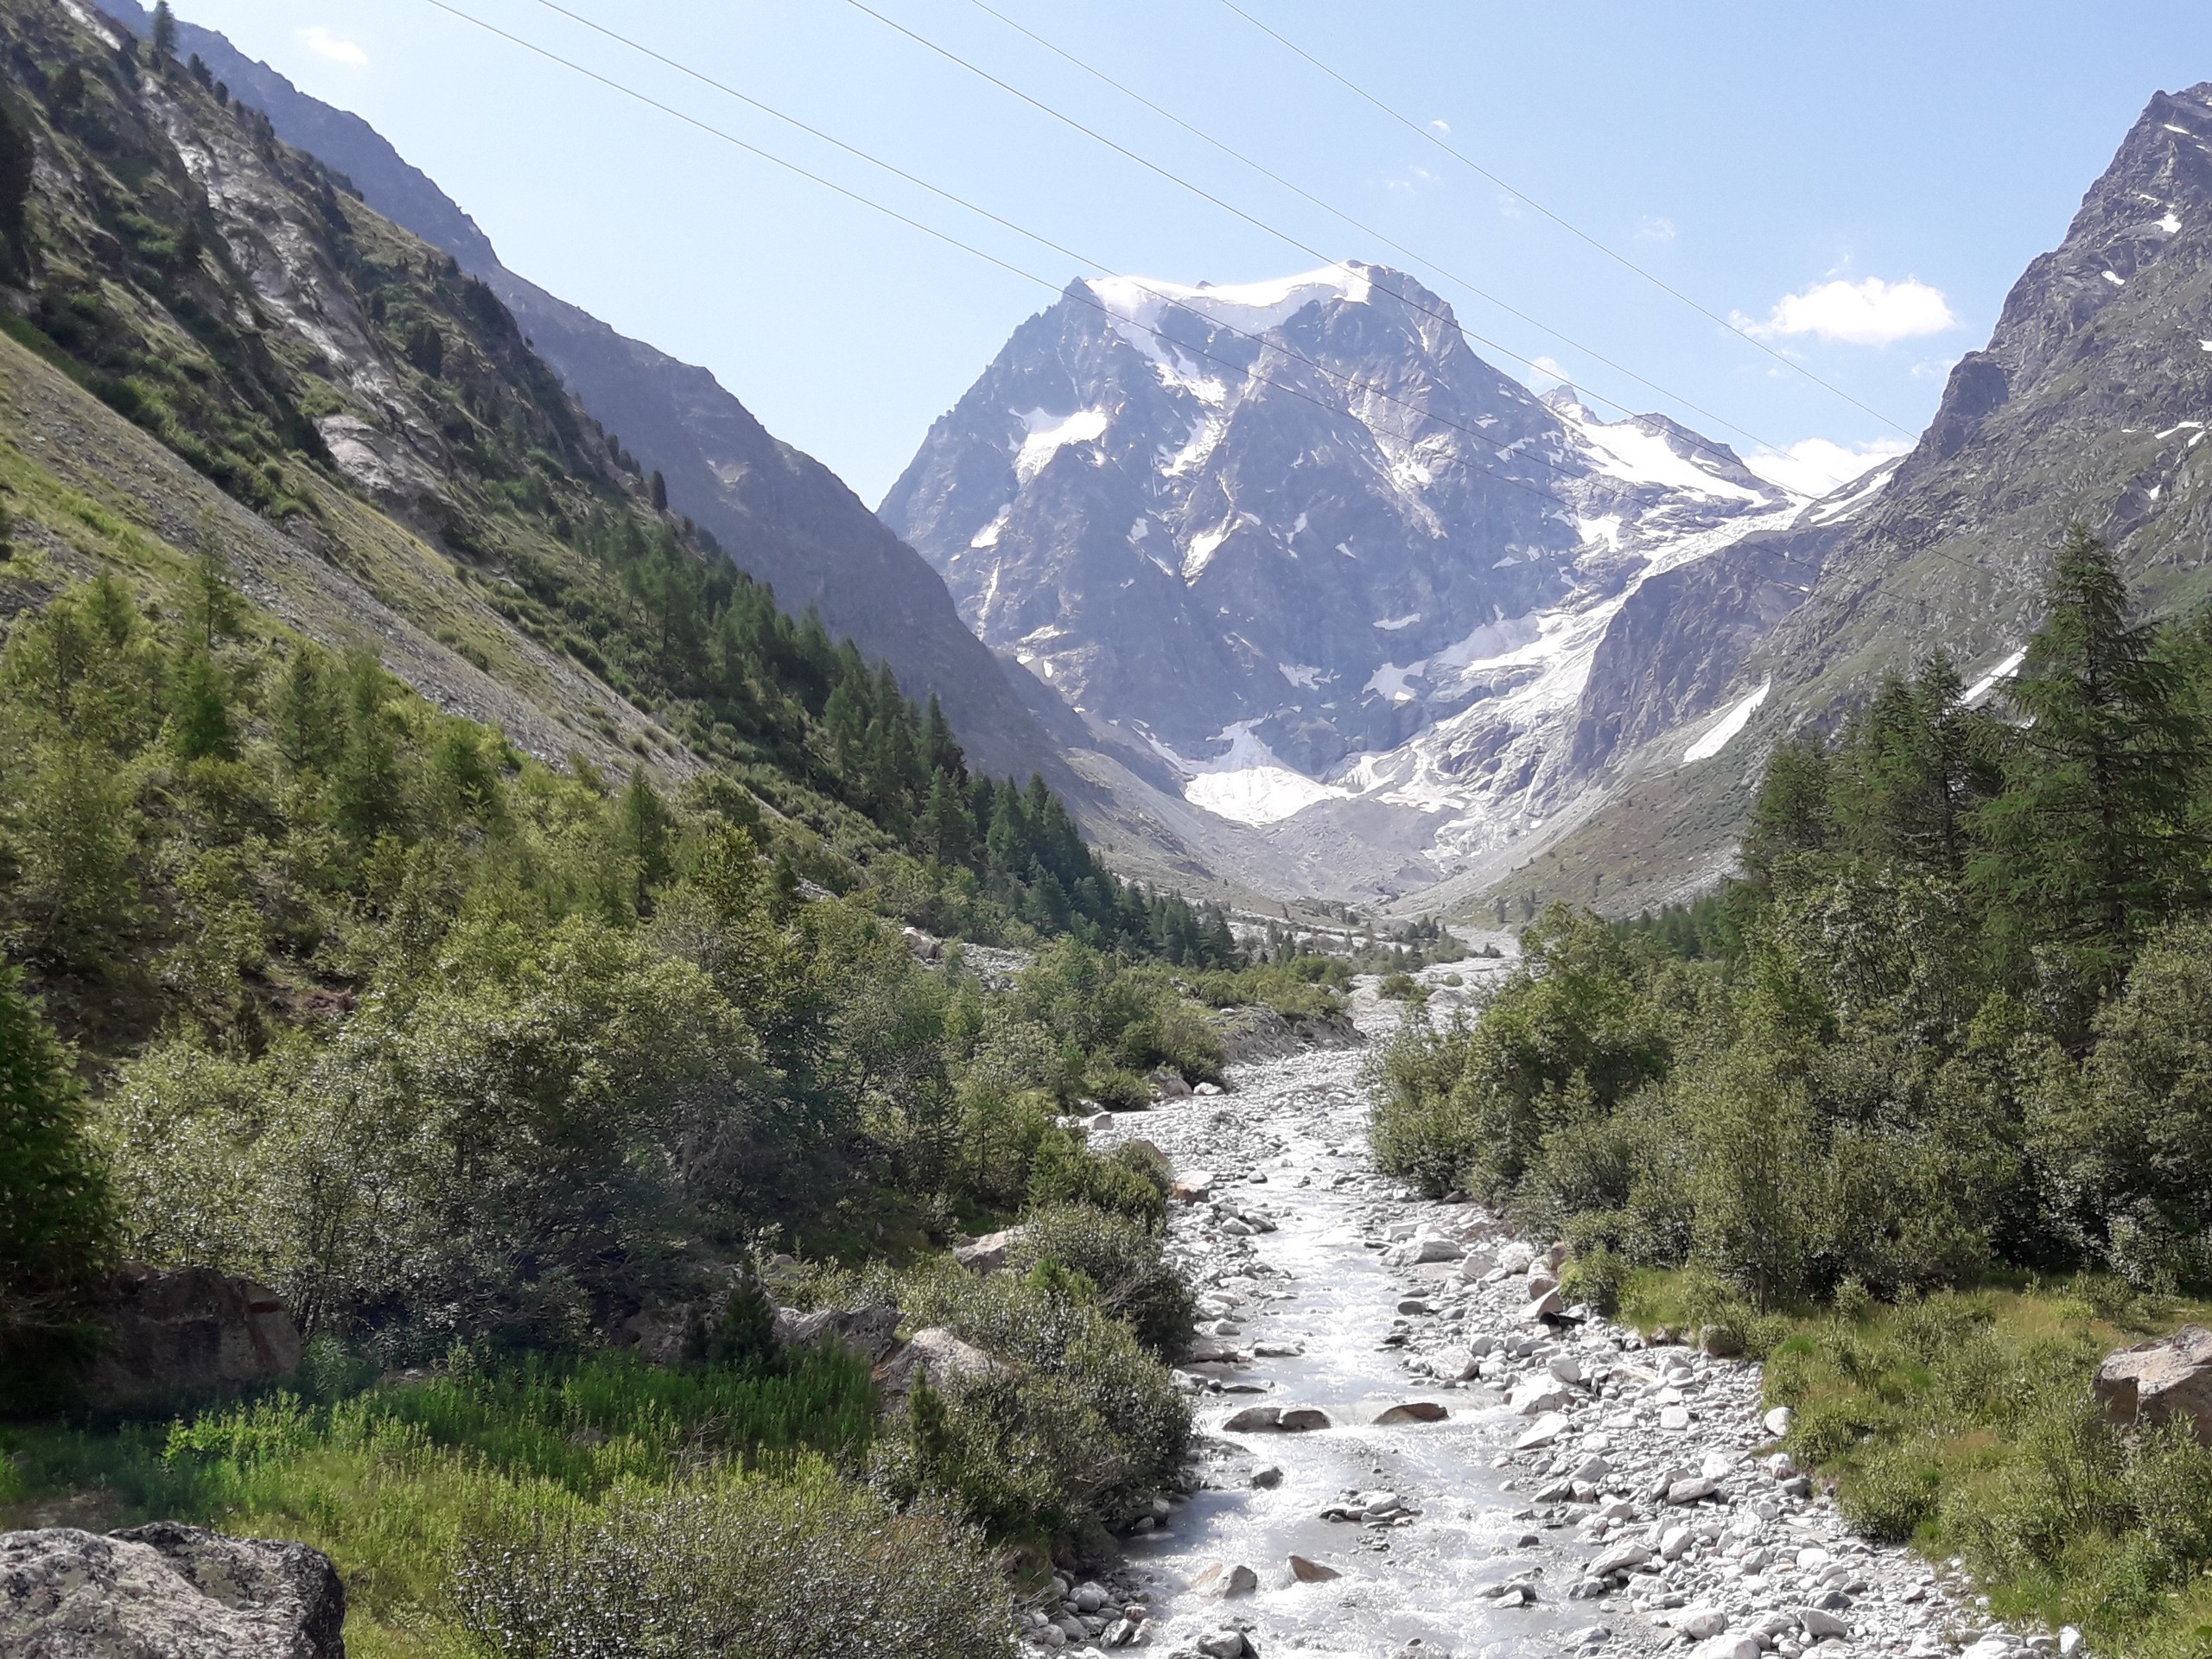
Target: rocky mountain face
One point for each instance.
(1348, 584)
(2091, 402)
(783, 518)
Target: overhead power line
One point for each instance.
(1081, 292)
(1386, 240)
(1611, 253)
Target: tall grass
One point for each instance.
(1966, 1423)
(394, 1481)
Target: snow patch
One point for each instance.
(1248, 783)
(1392, 624)
(1050, 433)
(1301, 674)
(1389, 681)
(2169, 224)
(1140, 530)
(1200, 553)
(1730, 724)
(1624, 450)
(1606, 529)
(1853, 498)
(988, 535)
(2115, 279)
(2004, 671)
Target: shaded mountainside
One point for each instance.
(2090, 402)
(219, 359)
(783, 516)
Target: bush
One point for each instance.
(1082, 1430)
(1125, 1181)
(56, 1212)
(1597, 1277)
(1124, 1261)
(809, 1569)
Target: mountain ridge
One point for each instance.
(781, 516)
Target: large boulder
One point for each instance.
(989, 1252)
(937, 1357)
(166, 1591)
(2156, 1383)
(191, 1330)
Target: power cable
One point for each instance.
(1619, 258)
(1081, 292)
(1348, 383)
(1433, 265)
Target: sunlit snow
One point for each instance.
(1624, 450)
(2115, 279)
(1392, 624)
(1731, 723)
(1049, 434)
(1200, 553)
(2004, 671)
(1248, 783)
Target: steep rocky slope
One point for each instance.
(781, 516)
(2091, 402)
(1302, 557)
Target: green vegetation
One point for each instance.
(1947, 1032)
(1964, 1421)
(487, 1061)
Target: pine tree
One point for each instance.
(1792, 814)
(56, 1228)
(659, 488)
(199, 715)
(164, 32)
(2089, 843)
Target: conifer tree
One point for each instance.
(164, 32)
(2090, 841)
(56, 1233)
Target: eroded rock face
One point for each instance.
(870, 1331)
(166, 1591)
(193, 1331)
(2156, 1383)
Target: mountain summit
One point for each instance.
(1300, 541)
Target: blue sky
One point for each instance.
(1860, 183)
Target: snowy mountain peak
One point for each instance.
(1297, 539)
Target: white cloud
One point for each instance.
(324, 44)
(1442, 127)
(1867, 313)
(1547, 368)
(1655, 228)
(1817, 466)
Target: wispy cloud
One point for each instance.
(1817, 466)
(336, 47)
(1411, 181)
(1654, 227)
(1547, 368)
(1869, 312)
(1442, 127)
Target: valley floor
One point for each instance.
(1293, 1252)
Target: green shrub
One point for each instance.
(1123, 1261)
(810, 1568)
(1894, 1493)
(1117, 1091)
(1597, 1277)
(1083, 1427)
(1066, 1171)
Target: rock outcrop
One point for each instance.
(191, 1330)
(166, 1591)
(2162, 1382)
(937, 1357)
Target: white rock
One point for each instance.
(1778, 1421)
(1542, 1431)
(1697, 1623)
(1675, 1417)
(1726, 1647)
(1716, 1465)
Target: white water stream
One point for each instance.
(1305, 1117)
(1315, 1317)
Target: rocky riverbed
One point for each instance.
(1400, 1457)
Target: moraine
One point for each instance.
(1446, 1540)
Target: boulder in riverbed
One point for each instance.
(1310, 1572)
(1223, 1580)
(1412, 1411)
